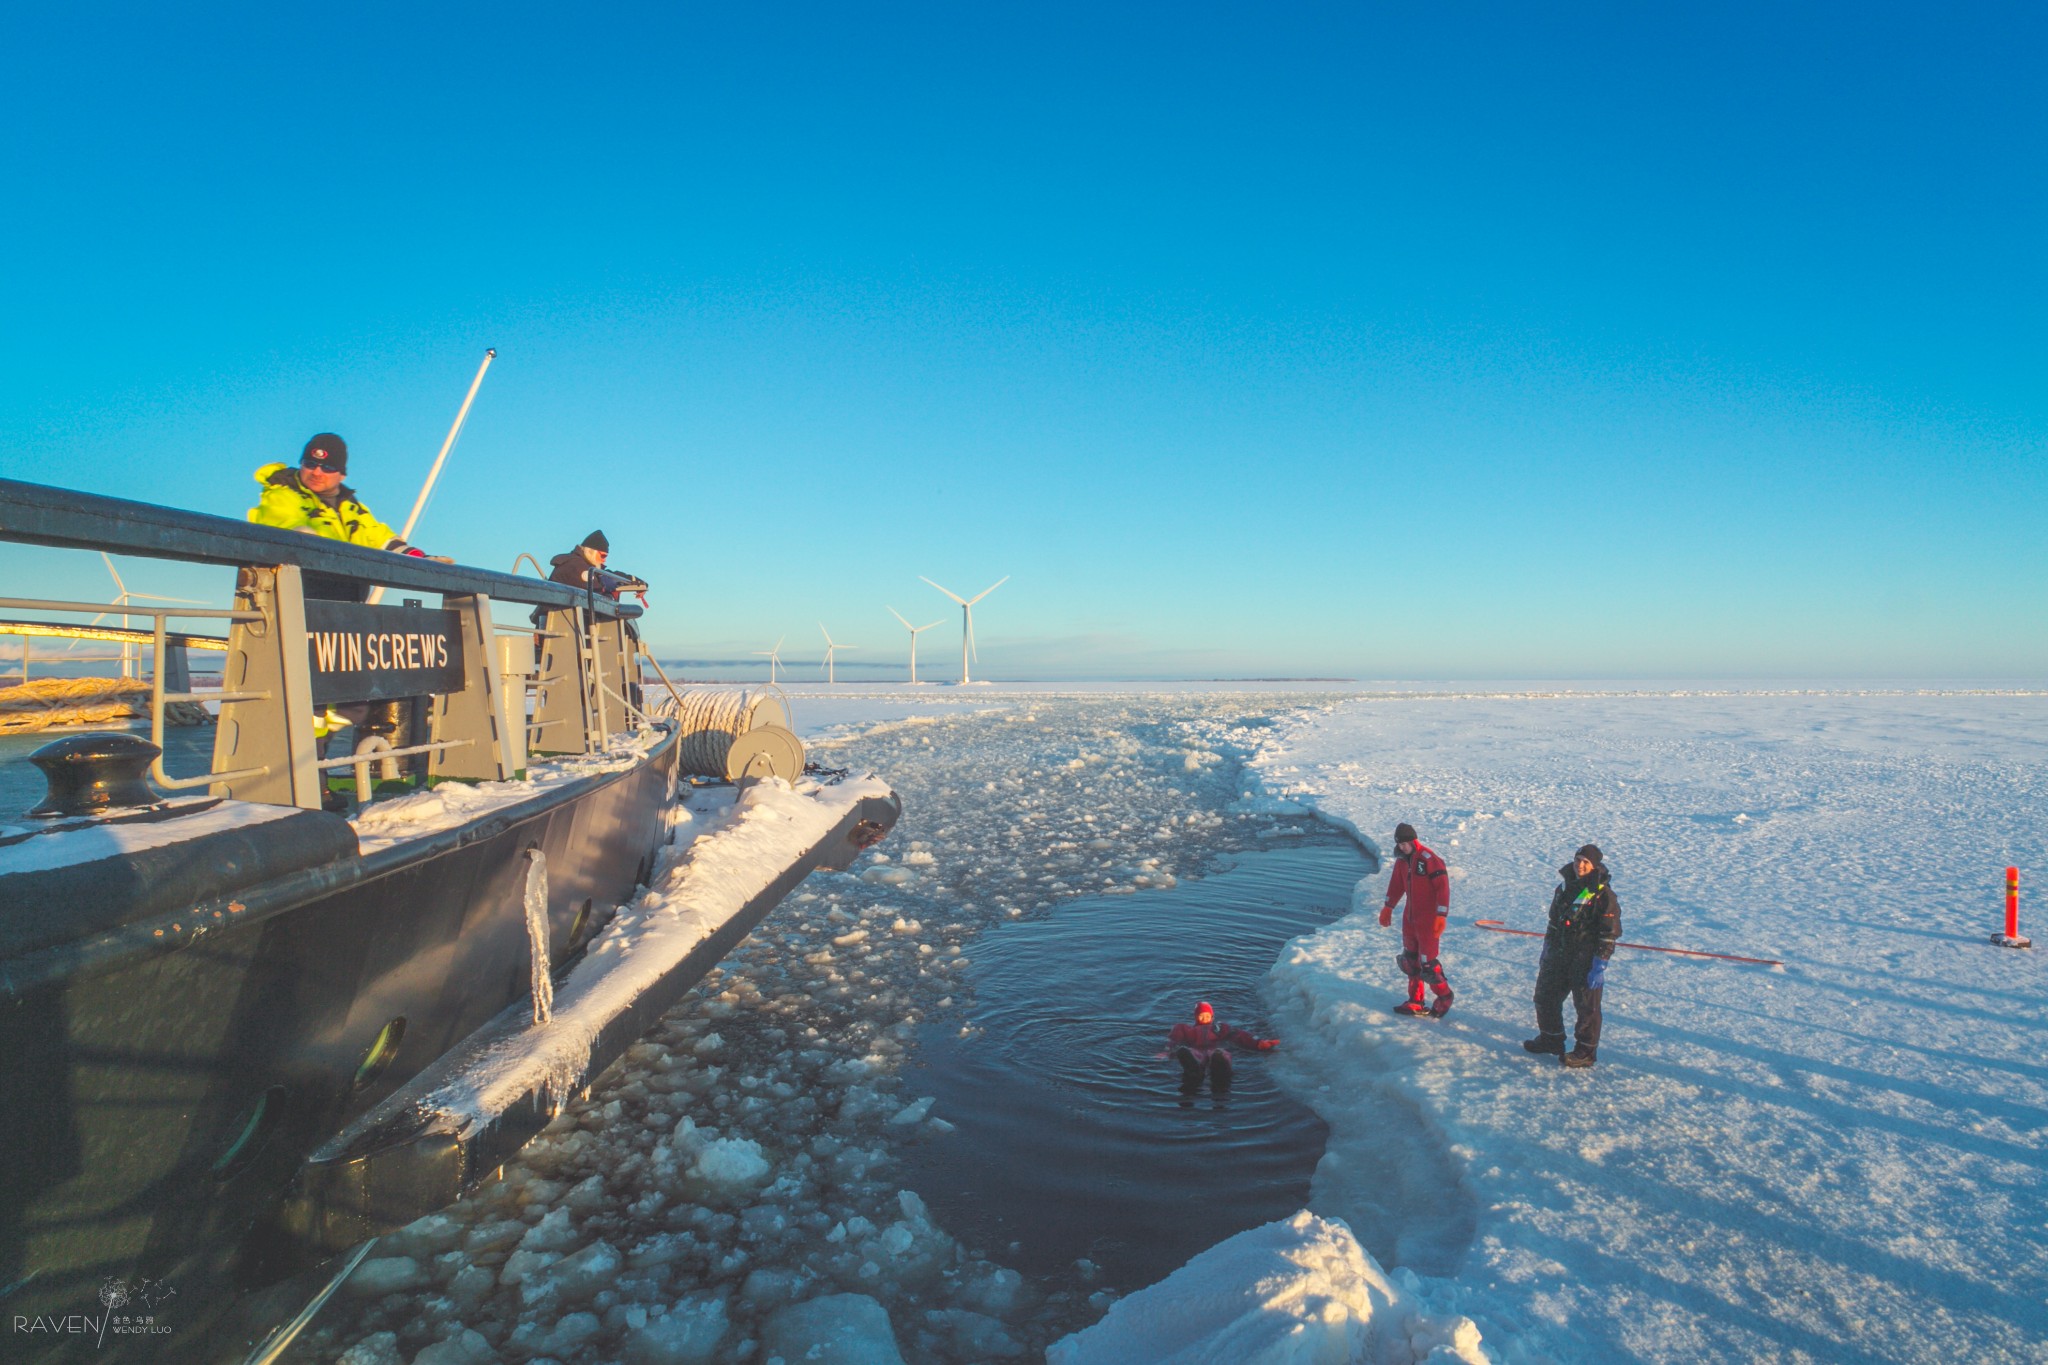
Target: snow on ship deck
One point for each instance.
(728, 851)
(389, 822)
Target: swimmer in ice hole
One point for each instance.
(1200, 1048)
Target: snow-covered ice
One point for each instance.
(1296, 1292)
(1842, 1159)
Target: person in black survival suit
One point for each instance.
(1585, 921)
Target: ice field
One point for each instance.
(1841, 1159)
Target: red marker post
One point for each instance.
(2011, 937)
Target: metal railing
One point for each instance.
(36, 514)
(277, 766)
(157, 696)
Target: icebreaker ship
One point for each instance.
(245, 1034)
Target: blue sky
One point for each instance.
(1466, 341)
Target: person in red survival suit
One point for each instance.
(1420, 876)
(1199, 1048)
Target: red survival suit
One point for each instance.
(1200, 1047)
(1423, 879)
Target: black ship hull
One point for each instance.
(163, 1088)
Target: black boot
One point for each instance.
(1190, 1069)
(1551, 1044)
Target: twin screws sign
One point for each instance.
(365, 653)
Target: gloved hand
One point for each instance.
(1268, 1044)
(1386, 916)
(442, 559)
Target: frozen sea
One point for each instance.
(1838, 1159)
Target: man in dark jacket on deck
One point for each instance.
(583, 567)
(1585, 921)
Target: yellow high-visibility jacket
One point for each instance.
(287, 503)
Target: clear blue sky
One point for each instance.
(1438, 341)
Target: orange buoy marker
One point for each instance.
(2011, 937)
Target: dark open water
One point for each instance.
(1075, 1139)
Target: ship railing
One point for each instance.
(291, 655)
(160, 674)
(385, 757)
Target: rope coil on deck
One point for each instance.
(709, 719)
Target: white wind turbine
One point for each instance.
(914, 632)
(774, 657)
(121, 599)
(831, 648)
(967, 622)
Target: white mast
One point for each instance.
(419, 504)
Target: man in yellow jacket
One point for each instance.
(313, 498)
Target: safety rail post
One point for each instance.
(264, 748)
(476, 715)
(564, 694)
(600, 728)
(515, 673)
(159, 693)
(614, 652)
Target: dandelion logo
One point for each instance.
(113, 1297)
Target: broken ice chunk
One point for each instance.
(836, 1329)
(912, 1113)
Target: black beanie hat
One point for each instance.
(596, 541)
(1590, 852)
(1404, 834)
(326, 451)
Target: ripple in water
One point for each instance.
(1075, 1139)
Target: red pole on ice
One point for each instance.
(2011, 937)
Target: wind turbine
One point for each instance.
(914, 632)
(121, 599)
(774, 657)
(831, 649)
(967, 621)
